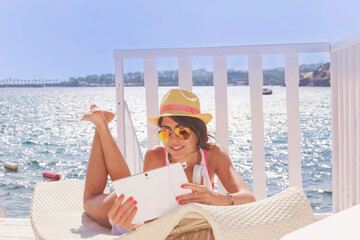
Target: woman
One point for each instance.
(184, 135)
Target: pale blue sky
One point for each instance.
(71, 38)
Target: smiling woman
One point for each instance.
(184, 135)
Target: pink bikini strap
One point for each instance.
(165, 163)
(205, 158)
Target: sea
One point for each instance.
(41, 130)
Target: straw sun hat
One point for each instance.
(181, 102)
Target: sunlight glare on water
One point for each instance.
(41, 130)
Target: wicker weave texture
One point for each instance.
(56, 212)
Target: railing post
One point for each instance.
(357, 106)
(352, 127)
(151, 82)
(341, 129)
(346, 127)
(221, 109)
(185, 73)
(119, 88)
(293, 118)
(335, 130)
(257, 126)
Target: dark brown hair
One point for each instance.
(196, 126)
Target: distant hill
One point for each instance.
(320, 77)
(310, 75)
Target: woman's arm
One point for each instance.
(229, 177)
(220, 163)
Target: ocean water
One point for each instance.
(41, 130)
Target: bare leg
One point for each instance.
(114, 160)
(105, 158)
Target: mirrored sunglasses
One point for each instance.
(183, 133)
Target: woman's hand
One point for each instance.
(200, 194)
(122, 214)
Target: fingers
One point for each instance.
(124, 220)
(133, 211)
(115, 207)
(194, 187)
(121, 208)
(122, 213)
(200, 194)
(187, 198)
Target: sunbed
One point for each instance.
(56, 212)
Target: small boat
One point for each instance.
(267, 91)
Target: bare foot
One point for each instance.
(94, 111)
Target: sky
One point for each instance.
(58, 39)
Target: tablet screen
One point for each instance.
(155, 190)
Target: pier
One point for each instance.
(16, 228)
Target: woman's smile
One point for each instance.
(177, 148)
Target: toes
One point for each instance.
(86, 117)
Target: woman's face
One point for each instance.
(177, 147)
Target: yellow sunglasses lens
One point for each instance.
(183, 133)
(164, 135)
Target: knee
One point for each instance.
(86, 205)
(88, 202)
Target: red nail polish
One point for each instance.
(177, 198)
(121, 196)
(135, 202)
(131, 199)
(182, 186)
(179, 202)
(135, 208)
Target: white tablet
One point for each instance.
(155, 190)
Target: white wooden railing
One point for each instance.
(219, 56)
(345, 81)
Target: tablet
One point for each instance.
(155, 190)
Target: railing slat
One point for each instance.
(293, 118)
(341, 130)
(185, 73)
(357, 106)
(346, 128)
(352, 131)
(257, 126)
(221, 110)
(335, 130)
(151, 83)
(119, 88)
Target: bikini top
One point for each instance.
(200, 171)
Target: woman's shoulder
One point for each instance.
(215, 148)
(154, 157)
(216, 154)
